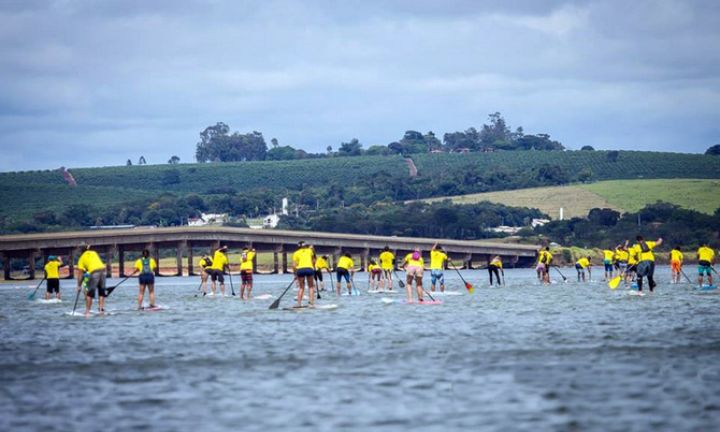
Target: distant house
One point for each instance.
(461, 150)
(539, 222)
(209, 219)
(504, 229)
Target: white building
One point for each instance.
(209, 219)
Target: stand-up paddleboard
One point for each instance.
(156, 308)
(322, 307)
(353, 294)
(634, 286)
(386, 292)
(93, 313)
(48, 301)
(706, 287)
(427, 302)
(635, 293)
(263, 297)
(446, 293)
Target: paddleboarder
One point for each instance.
(646, 261)
(52, 276)
(247, 267)
(304, 269)
(90, 275)
(217, 269)
(706, 257)
(414, 266)
(495, 267)
(438, 260)
(387, 264)
(146, 266)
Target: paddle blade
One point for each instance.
(614, 282)
(469, 287)
(275, 304)
(31, 295)
(401, 283)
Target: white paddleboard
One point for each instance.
(49, 301)
(446, 293)
(263, 297)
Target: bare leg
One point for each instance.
(101, 304)
(88, 305)
(311, 288)
(151, 291)
(419, 288)
(408, 289)
(141, 295)
(249, 290)
(301, 291)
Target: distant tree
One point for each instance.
(170, 177)
(377, 150)
(495, 134)
(714, 150)
(329, 149)
(604, 217)
(174, 160)
(282, 153)
(613, 155)
(585, 175)
(587, 148)
(538, 142)
(274, 142)
(142, 161)
(470, 139)
(552, 174)
(128, 163)
(415, 142)
(352, 148)
(216, 145)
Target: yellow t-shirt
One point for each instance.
(247, 264)
(497, 262)
(608, 255)
(437, 259)
(632, 256)
(546, 257)
(204, 263)
(583, 262)
(645, 256)
(152, 264)
(303, 258)
(345, 263)
(676, 255)
(220, 260)
(321, 264)
(414, 262)
(51, 270)
(372, 267)
(621, 255)
(90, 261)
(387, 260)
(705, 254)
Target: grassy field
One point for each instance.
(622, 195)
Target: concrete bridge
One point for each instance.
(187, 242)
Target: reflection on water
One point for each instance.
(522, 357)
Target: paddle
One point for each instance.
(615, 282)
(558, 270)
(469, 286)
(502, 272)
(32, 295)
(714, 271)
(77, 296)
(232, 290)
(399, 279)
(276, 303)
(199, 288)
(686, 277)
(112, 288)
(428, 294)
(355, 290)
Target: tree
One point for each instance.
(282, 153)
(170, 177)
(604, 217)
(142, 161)
(216, 145)
(587, 148)
(714, 150)
(538, 142)
(496, 133)
(174, 160)
(274, 142)
(352, 148)
(329, 149)
(613, 155)
(128, 163)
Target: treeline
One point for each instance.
(606, 228)
(217, 144)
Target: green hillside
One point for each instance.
(334, 181)
(702, 195)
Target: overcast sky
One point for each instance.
(88, 83)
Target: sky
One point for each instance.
(94, 83)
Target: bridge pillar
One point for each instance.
(121, 261)
(395, 267)
(191, 267)
(6, 265)
(31, 264)
(108, 260)
(275, 262)
(364, 259)
(155, 253)
(468, 261)
(284, 262)
(178, 257)
(71, 264)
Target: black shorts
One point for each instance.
(318, 275)
(246, 276)
(96, 281)
(217, 275)
(146, 279)
(53, 286)
(305, 272)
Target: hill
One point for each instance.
(251, 188)
(702, 195)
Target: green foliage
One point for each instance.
(217, 146)
(587, 148)
(713, 150)
(352, 148)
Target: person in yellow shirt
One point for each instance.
(217, 270)
(582, 264)
(706, 258)
(631, 271)
(414, 266)
(608, 256)
(304, 268)
(344, 270)
(90, 275)
(546, 260)
(438, 258)
(495, 267)
(387, 264)
(247, 266)
(374, 275)
(646, 261)
(146, 266)
(321, 263)
(52, 275)
(621, 259)
(540, 266)
(205, 264)
(676, 261)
